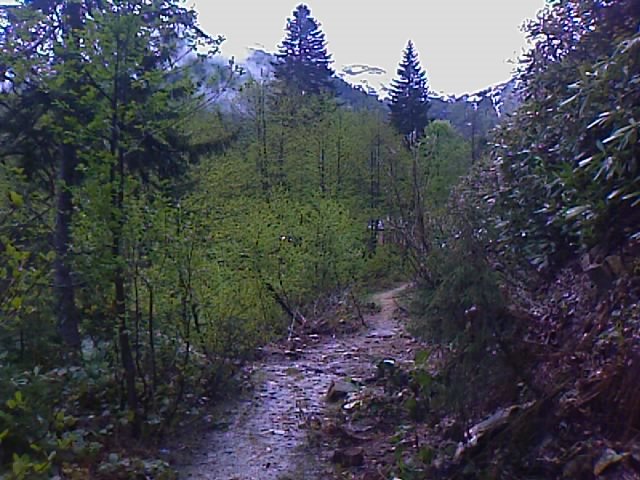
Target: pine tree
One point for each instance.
(409, 95)
(303, 62)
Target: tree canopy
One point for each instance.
(409, 101)
(303, 62)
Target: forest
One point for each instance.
(166, 215)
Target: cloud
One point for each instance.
(360, 69)
(464, 45)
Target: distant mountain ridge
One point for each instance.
(474, 115)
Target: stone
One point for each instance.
(373, 475)
(585, 262)
(330, 428)
(616, 265)
(578, 467)
(609, 457)
(487, 427)
(340, 389)
(600, 277)
(349, 457)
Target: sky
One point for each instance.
(464, 45)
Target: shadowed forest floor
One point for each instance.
(270, 435)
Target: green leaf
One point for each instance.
(422, 356)
(16, 199)
(426, 455)
(602, 118)
(424, 379)
(575, 212)
(569, 100)
(16, 303)
(584, 163)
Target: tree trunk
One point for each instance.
(66, 311)
(126, 354)
(152, 345)
(263, 126)
(117, 199)
(323, 185)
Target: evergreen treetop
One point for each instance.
(409, 95)
(303, 62)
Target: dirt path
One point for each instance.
(266, 436)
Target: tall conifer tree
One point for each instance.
(303, 62)
(409, 95)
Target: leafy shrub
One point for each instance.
(29, 426)
(462, 309)
(385, 266)
(466, 295)
(568, 160)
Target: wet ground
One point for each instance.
(266, 436)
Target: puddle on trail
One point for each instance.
(265, 437)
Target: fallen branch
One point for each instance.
(295, 315)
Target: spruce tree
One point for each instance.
(409, 95)
(303, 62)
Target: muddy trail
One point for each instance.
(266, 436)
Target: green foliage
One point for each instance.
(477, 115)
(466, 293)
(25, 259)
(387, 265)
(446, 157)
(298, 245)
(188, 236)
(419, 191)
(26, 421)
(409, 95)
(568, 159)
(460, 308)
(41, 436)
(462, 311)
(303, 63)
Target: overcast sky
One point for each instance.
(465, 45)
